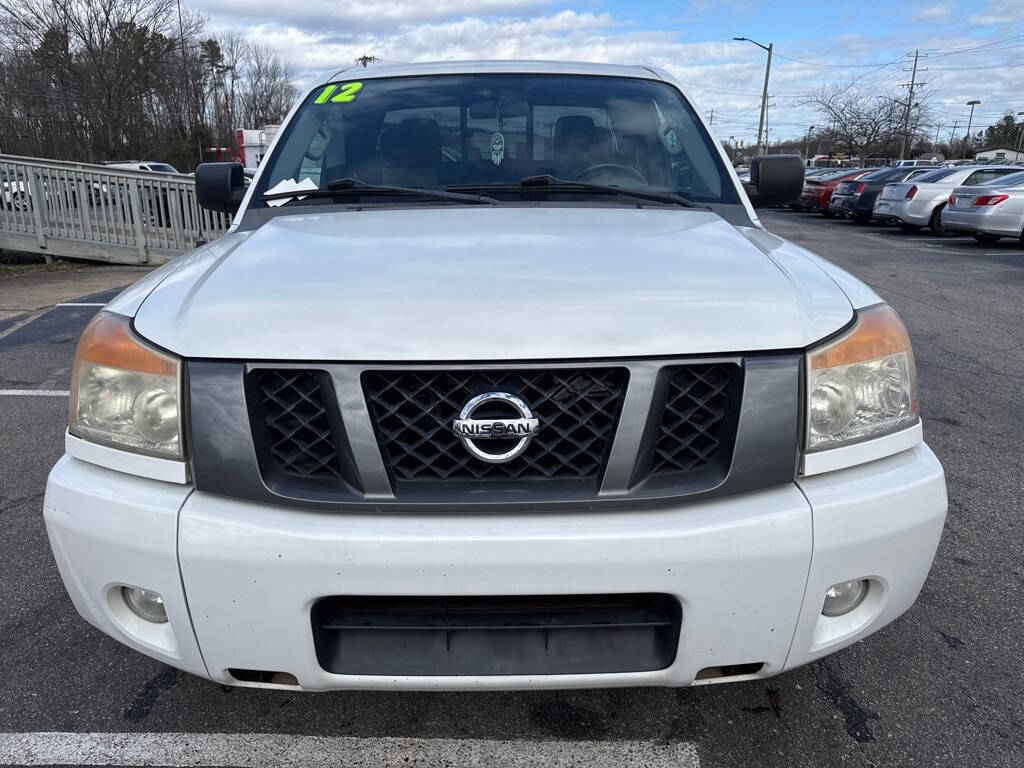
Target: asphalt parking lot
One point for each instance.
(940, 687)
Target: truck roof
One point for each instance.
(493, 67)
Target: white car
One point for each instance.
(549, 411)
(14, 193)
(919, 203)
(152, 167)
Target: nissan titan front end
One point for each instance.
(495, 382)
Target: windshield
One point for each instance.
(491, 131)
(162, 168)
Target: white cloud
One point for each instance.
(936, 12)
(999, 13)
(723, 75)
(358, 15)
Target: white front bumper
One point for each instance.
(749, 571)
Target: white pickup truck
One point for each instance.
(495, 382)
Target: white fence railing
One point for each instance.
(78, 210)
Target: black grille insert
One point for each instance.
(295, 411)
(555, 634)
(578, 408)
(698, 419)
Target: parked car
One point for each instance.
(146, 166)
(818, 191)
(914, 164)
(810, 173)
(856, 198)
(568, 417)
(988, 211)
(920, 203)
(15, 194)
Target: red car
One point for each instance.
(818, 191)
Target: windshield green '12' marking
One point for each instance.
(347, 93)
(344, 96)
(325, 94)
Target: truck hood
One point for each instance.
(502, 283)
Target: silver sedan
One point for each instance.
(919, 203)
(988, 211)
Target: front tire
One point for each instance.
(984, 237)
(935, 224)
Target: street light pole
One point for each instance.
(1020, 136)
(764, 94)
(807, 143)
(972, 104)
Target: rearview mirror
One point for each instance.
(220, 186)
(488, 110)
(775, 180)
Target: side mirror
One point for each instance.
(775, 180)
(220, 186)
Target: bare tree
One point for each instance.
(269, 90)
(865, 124)
(128, 79)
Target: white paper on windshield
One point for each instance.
(289, 185)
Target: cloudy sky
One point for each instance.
(972, 49)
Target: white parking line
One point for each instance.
(34, 393)
(245, 750)
(22, 323)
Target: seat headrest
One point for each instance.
(572, 130)
(416, 141)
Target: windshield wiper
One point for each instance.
(348, 186)
(551, 183)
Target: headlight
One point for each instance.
(862, 385)
(124, 393)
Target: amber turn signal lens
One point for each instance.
(107, 340)
(879, 333)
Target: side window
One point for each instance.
(314, 161)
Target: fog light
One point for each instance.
(843, 597)
(145, 604)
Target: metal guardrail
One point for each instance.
(78, 210)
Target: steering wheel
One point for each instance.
(622, 170)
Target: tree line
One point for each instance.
(108, 80)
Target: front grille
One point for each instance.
(692, 429)
(496, 635)
(578, 408)
(296, 423)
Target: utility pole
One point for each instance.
(972, 104)
(1020, 136)
(711, 120)
(905, 140)
(936, 142)
(764, 95)
(952, 133)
